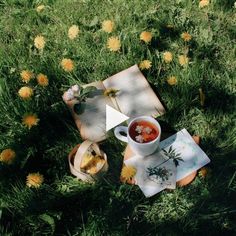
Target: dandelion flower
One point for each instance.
(183, 60)
(167, 56)
(40, 8)
(139, 129)
(107, 26)
(172, 80)
(139, 139)
(128, 172)
(67, 64)
(34, 180)
(42, 80)
(25, 92)
(147, 130)
(146, 36)
(186, 36)
(39, 42)
(110, 92)
(113, 43)
(203, 172)
(73, 31)
(203, 3)
(30, 120)
(146, 64)
(7, 156)
(26, 75)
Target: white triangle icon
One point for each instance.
(114, 117)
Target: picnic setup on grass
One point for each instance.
(154, 159)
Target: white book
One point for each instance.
(134, 98)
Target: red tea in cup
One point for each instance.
(143, 131)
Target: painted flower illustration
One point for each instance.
(158, 174)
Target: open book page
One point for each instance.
(192, 156)
(135, 96)
(92, 120)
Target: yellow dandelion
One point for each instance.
(172, 80)
(73, 31)
(113, 43)
(40, 8)
(145, 64)
(203, 3)
(34, 180)
(128, 172)
(146, 36)
(183, 60)
(7, 156)
(110, 92)
(25, 92)
(107, 26)
(203, 172)
(42, 80)
(67, 64)
(39, 42)
(186, 36)
(30, 120)
(26, 75)
(167, 56)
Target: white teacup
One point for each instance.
(143, 149)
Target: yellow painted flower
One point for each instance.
(107, 26)
(167, 56)
(25, 92)
(26, 75)
(186, 36)
(203, 3)
(183, 60)
(34, 180)
(202, 97)
(110, 92)
(113, 44)
(172, 80)
(30, 120)
(67, 64)
(145, 64)
(73, 31)
(7, 156)
(42, 80)
(128, 172)
(146, 36)
(40, 8)
(39, 42)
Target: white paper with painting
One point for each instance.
(179, 157)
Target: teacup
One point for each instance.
(142, 134)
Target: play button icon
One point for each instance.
(114, 117)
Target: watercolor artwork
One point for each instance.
(177, 157)
(193, 157)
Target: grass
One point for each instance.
(65, 206)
